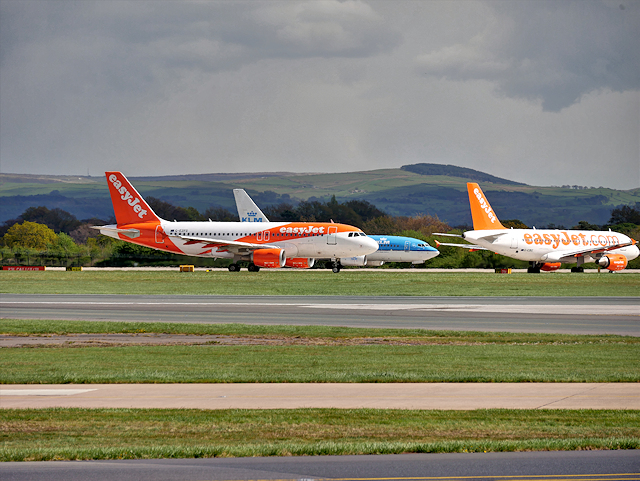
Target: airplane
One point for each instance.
(269, 245)
(545, 249)
(390, 248)
(393, 248)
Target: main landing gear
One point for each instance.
(335, 266)
(534, 268)
(235, 267)
(578, 267)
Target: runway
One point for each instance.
(527, 466)
(570, 315)
(451, 396)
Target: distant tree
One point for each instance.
(515, 223)
(625, 214)
(57, 219)
(29, 234)
(167, 211)
(584, 225)
(426, 225)
(84, 233)
(219, 214)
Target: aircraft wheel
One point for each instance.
(335, 269)
(234, 268)
(577, 269)
(253, 268)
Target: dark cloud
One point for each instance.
(549, 51)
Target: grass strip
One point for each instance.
(64, 434)
(319, 282)
(325, 363)
(29, 327)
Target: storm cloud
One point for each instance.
(539, 92)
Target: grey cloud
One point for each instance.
(553, 51)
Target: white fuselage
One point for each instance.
(297, 239)
(546, 245)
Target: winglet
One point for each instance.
(483, 216)
(128, 205)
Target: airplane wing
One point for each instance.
(233, 246)
(493, 237)
(590, 251)
(471, 247)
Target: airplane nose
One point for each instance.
(369, 243)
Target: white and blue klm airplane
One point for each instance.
(390, 248)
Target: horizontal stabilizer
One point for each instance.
(466, 246)
(111, 229)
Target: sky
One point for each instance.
(541, 92)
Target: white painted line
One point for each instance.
(506, 308)
(43, 392)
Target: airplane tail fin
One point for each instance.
(248, 211)
(481, 212)
(128, 205)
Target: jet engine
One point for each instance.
(268, 257)
(613, 262)
(357, 261)
(550, 266)
(374, 263)
(300, 262)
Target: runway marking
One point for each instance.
(516, 309)
(553, 477)
(43, 392)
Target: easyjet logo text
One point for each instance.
(485, 206)
(302, 230)
(126, 196)
(564, 238)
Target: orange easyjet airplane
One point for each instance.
(545, 249)
(270, 244)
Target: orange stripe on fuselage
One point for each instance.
(147, 237)
(296, 230)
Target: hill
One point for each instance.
(454, 171)
(420, 188)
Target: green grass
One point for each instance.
(319, 282)
(581, 362)
(57, 434)
(27, 327)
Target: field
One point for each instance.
(56, 434)
(312, 354)
(349, 282)
(319, 354)
(395, 191)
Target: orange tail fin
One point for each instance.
(128, 205)
(481, 212)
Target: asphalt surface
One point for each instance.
(530, 466)
(575, 315)
(517, 314)
(458, 396)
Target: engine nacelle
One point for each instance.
(357, 261)
(613, 262)
(268, 257)
(550, 266)
(374, 263)
(300, 262)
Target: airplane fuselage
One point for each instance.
(297, 239)
(547, 245)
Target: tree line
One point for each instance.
(42, 236)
